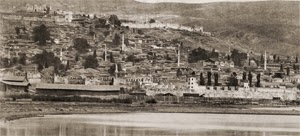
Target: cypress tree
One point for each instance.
(76, 57)
(216, 76)
(40, 67)
(228, 57)
(274, 57)
(95, 54)
(22, 59)
(103, 56)
(258, 80)
(209, 78)
(178, 73)
(250, 78)
(67, 66)
(112, 60)
(235, 81)
(202, 81)
(281, 67)
(244, 76)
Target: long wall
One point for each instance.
(249, 93)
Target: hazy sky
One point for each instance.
(197, 1)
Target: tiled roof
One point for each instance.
(77, 87)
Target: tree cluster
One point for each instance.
(238, 57)
(152, 21)
(91, 62)
(116, 39)
(201, 54)
(47, 59)
(81, 45)
(233, 81)
(132, 58)
(101, 23)
(114, 20)
(178, 73)
(41, 34)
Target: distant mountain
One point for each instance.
(268, 25)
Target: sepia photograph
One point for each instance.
(149, 68)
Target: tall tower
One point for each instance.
(94, 36)
(9, 57)
(228, 55)
(116, 70)
(265, 61)
(248, 58)
(61, 54)
(178, 56)
(105, 53)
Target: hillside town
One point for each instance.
(51, 54)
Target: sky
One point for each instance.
(197, 1)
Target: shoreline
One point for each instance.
(17, 110)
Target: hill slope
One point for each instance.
(270, 25)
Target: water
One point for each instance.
(154, 124)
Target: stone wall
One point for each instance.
(250, 93)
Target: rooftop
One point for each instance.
(15, 83)
(15, 78)
(77, 87)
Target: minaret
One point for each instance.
(265, 61)
(116, 70)
(123, 42)
(61, 54)
(248, 58)
(178, 56)
(9, 53)
(105, 53)
(9, 57)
